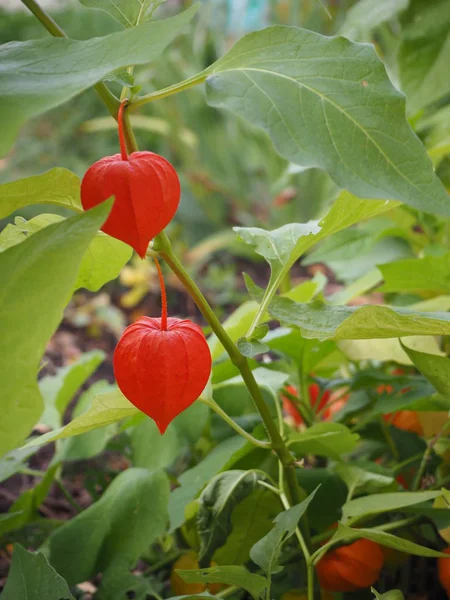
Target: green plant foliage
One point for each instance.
(378, 503)
(128, 13)
(32, 577)
(418, 274)
(324, 439)
(49, 261)
(365, 16)
(122, 523)
(311, 113)
(67, 67)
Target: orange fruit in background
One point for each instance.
(406, 420)
(350, 568)
(443, 565)
(180, 587)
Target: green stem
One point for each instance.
(164, 247)
(111, 102)
(169, 91)
(68, 496)
(426, 457)
(388, 437)
(216, 408)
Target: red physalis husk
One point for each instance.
(162, 365)
(146, 190)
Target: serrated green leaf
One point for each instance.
(293, 84)
(128, 13)
(32, 578)
(324, 439)
(57, 186)
(217, 502)
(232, 575)
(37, 276)
(30, 86)
(423, 53)
(130, 515)
(324, 322)
(266, 552)
(379, 503)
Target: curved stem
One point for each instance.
(216, 408)
(163, 295)
(169, 91)
(110, 101)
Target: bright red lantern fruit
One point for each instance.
(146, 190)
(162, 365)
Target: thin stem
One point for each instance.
(388, 437)
(123, 146)
(426, 457)
(163, 296)
(216, 408)
(168, 91)
(110, 101)
(272, 488)
(68, 496)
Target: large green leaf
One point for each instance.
(32, 578)
(37, 277)
(151, 450)
(193, 480)
(267, 551)
(59, 389)
(321, 321)
(430, 273)
(57, 186)
(424, 52)
(130, 515)
(385, 539)
(232, 575)
(217, 502)
(327, 102)
(366, 15)
(101, 263)
(324, 439)
(127, 12)
(39, 75)
(379, 503)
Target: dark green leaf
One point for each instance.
(324, 439)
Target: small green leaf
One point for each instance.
(266, 553)
(13, 461)
(323, 322)
(324, 439)
(217, 503)
(345, 533)
(231, 575)
(128, 13)
(359, 480)
(379, 503)
(57, 186)
(391, 595)
(235, 325)
(435, 368)
(32, 578)
(127, 519)
(38, 276)
(68, 67)
(286, 81)
(252, 347)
